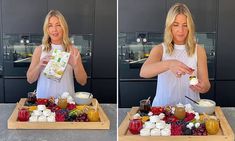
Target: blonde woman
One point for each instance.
(177, 58)
(55, 36)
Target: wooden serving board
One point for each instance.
(104, 122)
(225, 133)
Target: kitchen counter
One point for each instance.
(229, 113)
(57, 135)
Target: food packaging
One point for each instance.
(56, 66)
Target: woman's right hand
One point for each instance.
(179, 68)
(44, 61)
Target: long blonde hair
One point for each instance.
(46, 41)
(190, 43)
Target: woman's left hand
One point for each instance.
(199, 87)
(74, 58)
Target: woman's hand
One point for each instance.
(179, 68)
(74, 58)
(201, 87)
(44, 61)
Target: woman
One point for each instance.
(55, 36)
(176, 59)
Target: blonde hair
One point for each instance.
(46, 41)
(190, 43)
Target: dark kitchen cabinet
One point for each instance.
(105, 90)
(23, 16)
(210, 94)
(17, 88)
(225, 51)
(80, 88)
(78, 13)
(225, 93)
(130, 93)
(203, 12)
(1, 48)
(142, 15)
(105, 43)
(1, 91)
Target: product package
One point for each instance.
(57, 64)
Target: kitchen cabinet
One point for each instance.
(78, 13)
(225, 52)
(225, 93)
(204, 13)
(1, 48)
(104, 52)
(142, 15)
(211, 93)
(80, 88)
(131, 92)
(16, 89)
(1, 91)
(23, 16)
(104, 90)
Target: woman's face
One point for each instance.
(55, 30)
(179, 29)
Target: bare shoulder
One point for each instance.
(157, 50)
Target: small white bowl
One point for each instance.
(206, 106)
(83, 98)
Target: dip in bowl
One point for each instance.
(83, 98)
(206, 106)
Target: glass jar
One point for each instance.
(62, 103)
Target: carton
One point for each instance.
(56, 66)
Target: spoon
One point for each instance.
(192, 100)
(146, 102)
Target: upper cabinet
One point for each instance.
(203, 12)
(78, 13)
(104, 56)
(23, 16)
(142, 15)
(225, 51)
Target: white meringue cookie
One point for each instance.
(41, 107)
(145, 132)
(42, 118)
(137, 116)
(150, 113)
(149, 125)
(160, 124)
(46, 112)
(197, 125)
(51, 118)
(165, 132)
(33, 119)
(155, 132)
(193, 81)
(65, 95)
(70, 99)
(154, 118)
(161, 116)
(37, 112)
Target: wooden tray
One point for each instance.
(225, 133)
(104, 122)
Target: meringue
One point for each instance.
(193, 80)
(65, 95)
(145, 132)
(165, 132)
(42, 118)
(51, 118)
(149, 125)
(154, 118)
(160, 124)
(41, 107)
(161, 115)
(155, 132)
(33, 119)
(36, 113)
(46, 112)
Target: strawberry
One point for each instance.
(157, 110)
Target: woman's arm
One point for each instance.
(35, 67)
(154, 65)
(75, 61)
(202, 72)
